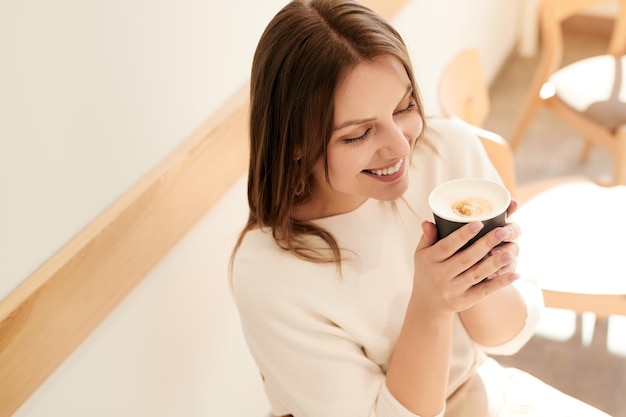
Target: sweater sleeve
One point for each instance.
(462, 154)
(389, 406)
(533, 297)
(311, 367)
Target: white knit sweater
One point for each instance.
(322, 340)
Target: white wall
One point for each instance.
(436, 30)
(93, 94)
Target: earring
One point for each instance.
(300, 188)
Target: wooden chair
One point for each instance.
(588, 94)
(463, 94)
(576, 272)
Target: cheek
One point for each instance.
(344, 164)
(414, 128)
(318, 173)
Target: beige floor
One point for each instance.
(563, 353)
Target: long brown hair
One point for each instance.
(299, 61)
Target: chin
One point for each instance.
(392, 195)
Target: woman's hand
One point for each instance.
(445, 280)
(506, 246)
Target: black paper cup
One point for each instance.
(461, 201)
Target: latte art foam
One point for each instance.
(471, 207)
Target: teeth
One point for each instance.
(387, 171)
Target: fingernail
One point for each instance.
(503, 234)
(507, 257)
(514, 277)
(492, 276)
(475, 227)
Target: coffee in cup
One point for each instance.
(461, 201)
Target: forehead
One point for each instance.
(369, 86)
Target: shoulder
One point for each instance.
(452, 137)
(449, 149)
(258, 261)
(264, 275)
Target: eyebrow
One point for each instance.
(409, 90)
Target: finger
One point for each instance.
(504, 271)
(512, 207)
(508, 246)
(480, 249)
(479, 292)
(490, 267)
(450, 244)
(507, 233)
(429, 235)
(516, 232)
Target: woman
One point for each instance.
(349, 304)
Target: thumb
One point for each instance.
(429, 235)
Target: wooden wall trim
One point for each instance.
(56, 308)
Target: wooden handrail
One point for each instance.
(56, 308)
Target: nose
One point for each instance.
(395, 143)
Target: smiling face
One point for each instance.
(376, 123)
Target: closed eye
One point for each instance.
(360, 138)
(408, 109)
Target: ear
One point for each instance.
(297, 155)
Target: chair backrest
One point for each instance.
(552, 15)
(463, 94)
(463, 91)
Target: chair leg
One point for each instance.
(529, 108)
(584, 157)
(619, 169)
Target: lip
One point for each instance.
(388, 178)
